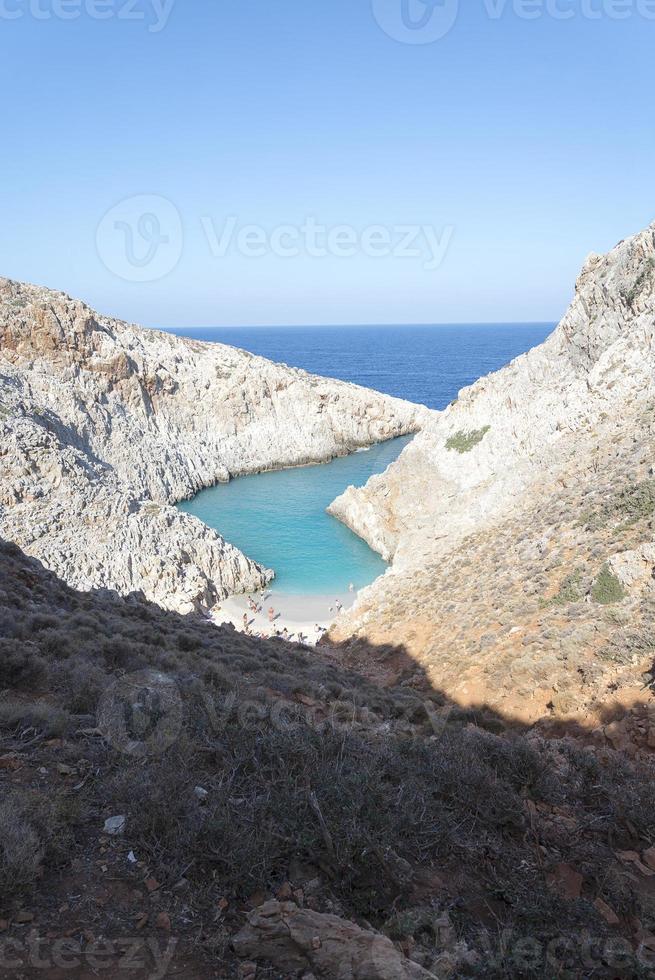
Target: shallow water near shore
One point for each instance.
(279, 519)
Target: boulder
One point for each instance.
(295, 939)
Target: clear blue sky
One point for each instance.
(532, 139)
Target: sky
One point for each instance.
(241, 162)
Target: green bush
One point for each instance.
(634, 503)
(569, 591)
(607, 588)
(637, 502)
(464, 442)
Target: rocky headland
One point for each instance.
(520, 520)
(104, 426)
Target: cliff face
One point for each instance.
(484, 513)
(105, 425)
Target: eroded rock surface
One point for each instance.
(104, 425)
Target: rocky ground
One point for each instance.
(104, 425)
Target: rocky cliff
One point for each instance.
(104, 425)
(501, 515)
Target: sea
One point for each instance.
(279, 518)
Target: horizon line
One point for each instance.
(346, 326)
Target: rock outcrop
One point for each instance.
(484, 513)
(296, 939)
(105, 425)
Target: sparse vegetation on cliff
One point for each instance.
(569, 591)
(634, 502)
(464, 442)
(642, 279)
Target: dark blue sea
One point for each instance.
(279, 518)
(425, 364)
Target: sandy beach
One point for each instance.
(300, 615)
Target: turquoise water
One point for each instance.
(279, 520)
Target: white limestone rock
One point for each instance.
(635, 567)
(599, 362)
(105, 425)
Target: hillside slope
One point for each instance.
(181, 793)
(507, 514)
(104, 425)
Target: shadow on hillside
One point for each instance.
(395, 667)
(54, 636)
(241, 764)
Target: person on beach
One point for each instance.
(351, 587)
(285, 633)
(338, 605)
(271, 614)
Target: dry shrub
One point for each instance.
(36, 716)
(21, 850)
(35, 832)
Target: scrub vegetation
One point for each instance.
(376, 803)
(464, 442)
(607, 588)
